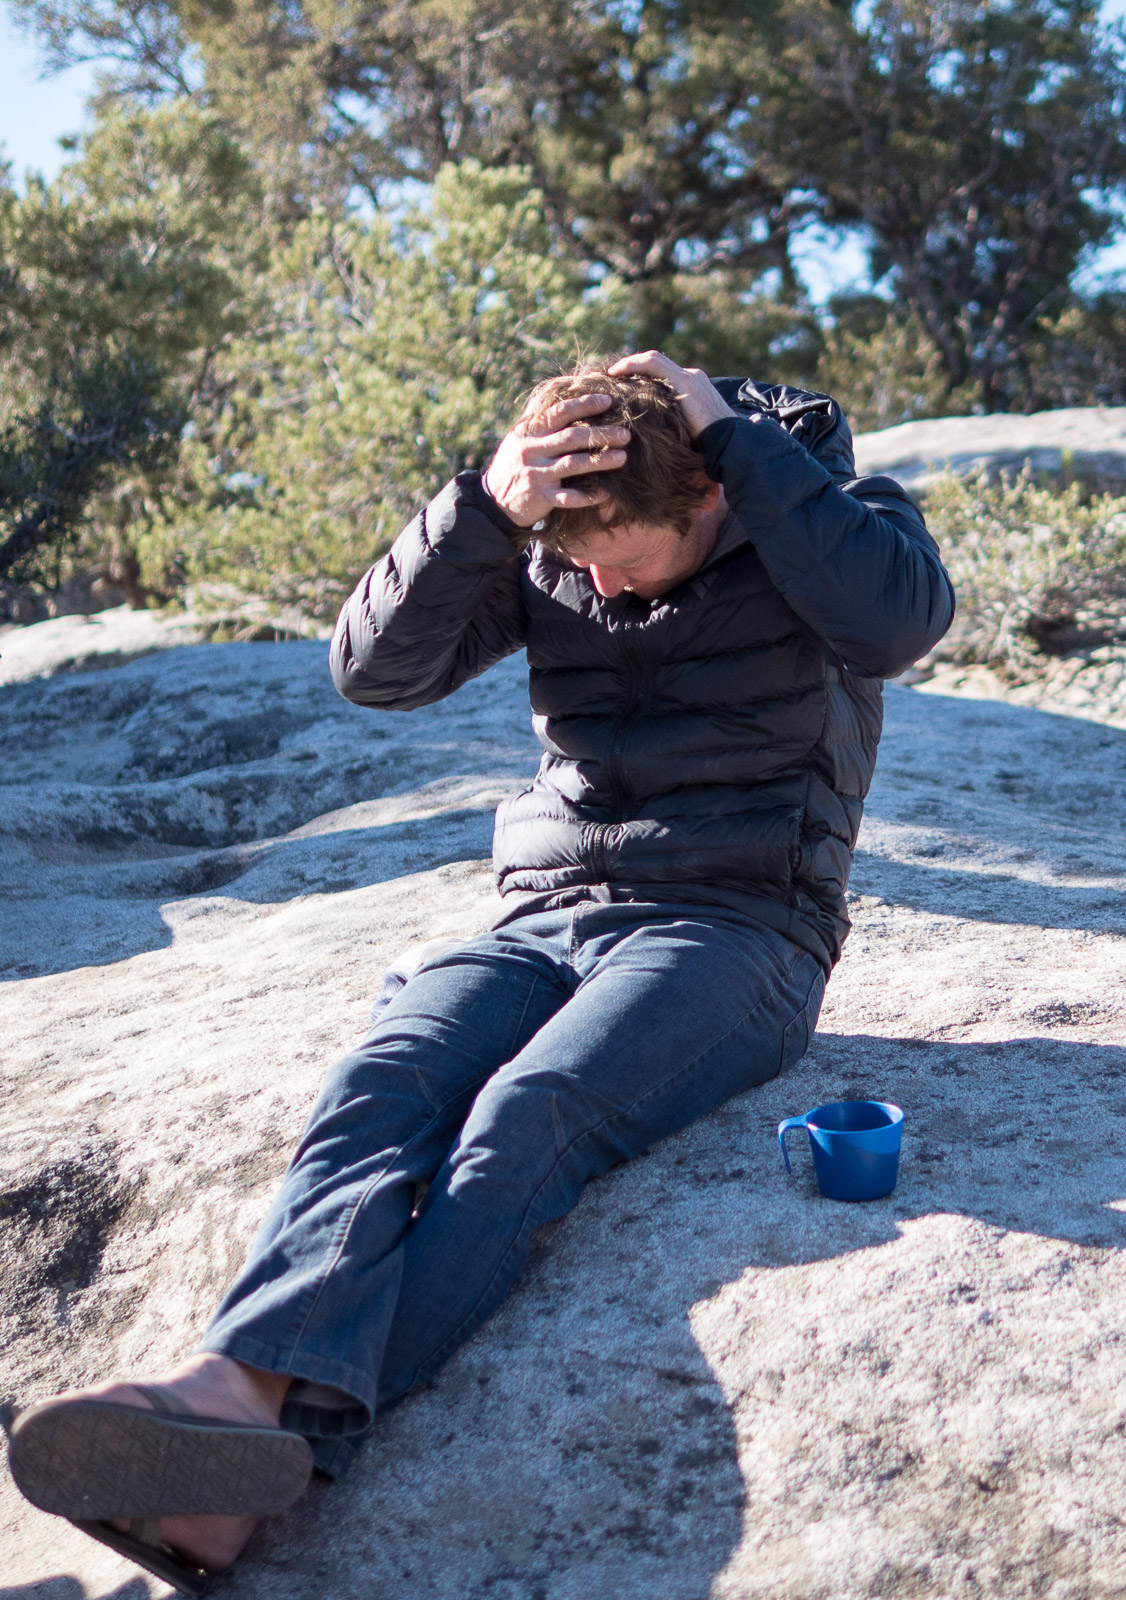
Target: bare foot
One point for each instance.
(214, 1386)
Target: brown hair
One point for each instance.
(662, 480)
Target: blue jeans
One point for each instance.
(493, 1085)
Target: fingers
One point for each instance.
(563, 413)
(572, 499)
(571, 451)
(647, 364)
(587, 438)
(571, 466)
(700, 401)
(541, 448)
(524, 474)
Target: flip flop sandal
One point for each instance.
(142, 1546)
(92, 1460)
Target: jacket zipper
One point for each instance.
(596, 843)
(619, 790)
(620, 793)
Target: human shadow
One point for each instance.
(68, 1588)
(582, 1439)
(1022, 1134)
(980, 766)
(998, 813)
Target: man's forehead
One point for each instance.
(623, 539)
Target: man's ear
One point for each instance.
(714, 490)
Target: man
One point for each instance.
(709, 599)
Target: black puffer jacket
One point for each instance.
(711, 746)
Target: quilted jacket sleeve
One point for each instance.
(852, 556)
(441, 607)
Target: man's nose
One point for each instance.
(609, 581)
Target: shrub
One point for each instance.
(395, 358)
(883, 369)
(1038, 571)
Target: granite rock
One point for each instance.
(1087, 443)
(712, 1381)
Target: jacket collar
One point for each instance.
(729, 536)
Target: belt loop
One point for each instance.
(575, 909)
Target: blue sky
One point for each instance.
(36, 112)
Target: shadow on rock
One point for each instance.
(544, 1461)
(991, 897)
(62, 1588)
(223, 770)
(58, 934)
(119, 915)
(1022, 1134)
(581, 1444)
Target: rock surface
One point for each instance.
(711, 1381)
(74, 643)
(1085, 442)
(1090, 684)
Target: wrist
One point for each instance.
(506, 513)
(497, 512)
(706, 416)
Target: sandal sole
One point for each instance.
(91, 1460)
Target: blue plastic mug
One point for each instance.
(855, 1145)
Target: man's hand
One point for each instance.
(524, 477)
(699, 399)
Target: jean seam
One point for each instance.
(588, 1133)
(337, 1245)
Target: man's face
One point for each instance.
(641, 558)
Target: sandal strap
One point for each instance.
(164, 1399)
(146, 1530)
(184, 1576)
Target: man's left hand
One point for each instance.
(699, 399)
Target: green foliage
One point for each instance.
(977, 142)
(1079, 357)
(883, 369)
(676, 143)
(393, 361)
(606, 173)
(1036, 570)
(634, 134)
(143, 240)
(103, 417)
(625, 115)
(119, 283)
(729, 324)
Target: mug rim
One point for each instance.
(895, 1114)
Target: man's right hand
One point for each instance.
(525, 477)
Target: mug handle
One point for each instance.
(783, 1129)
